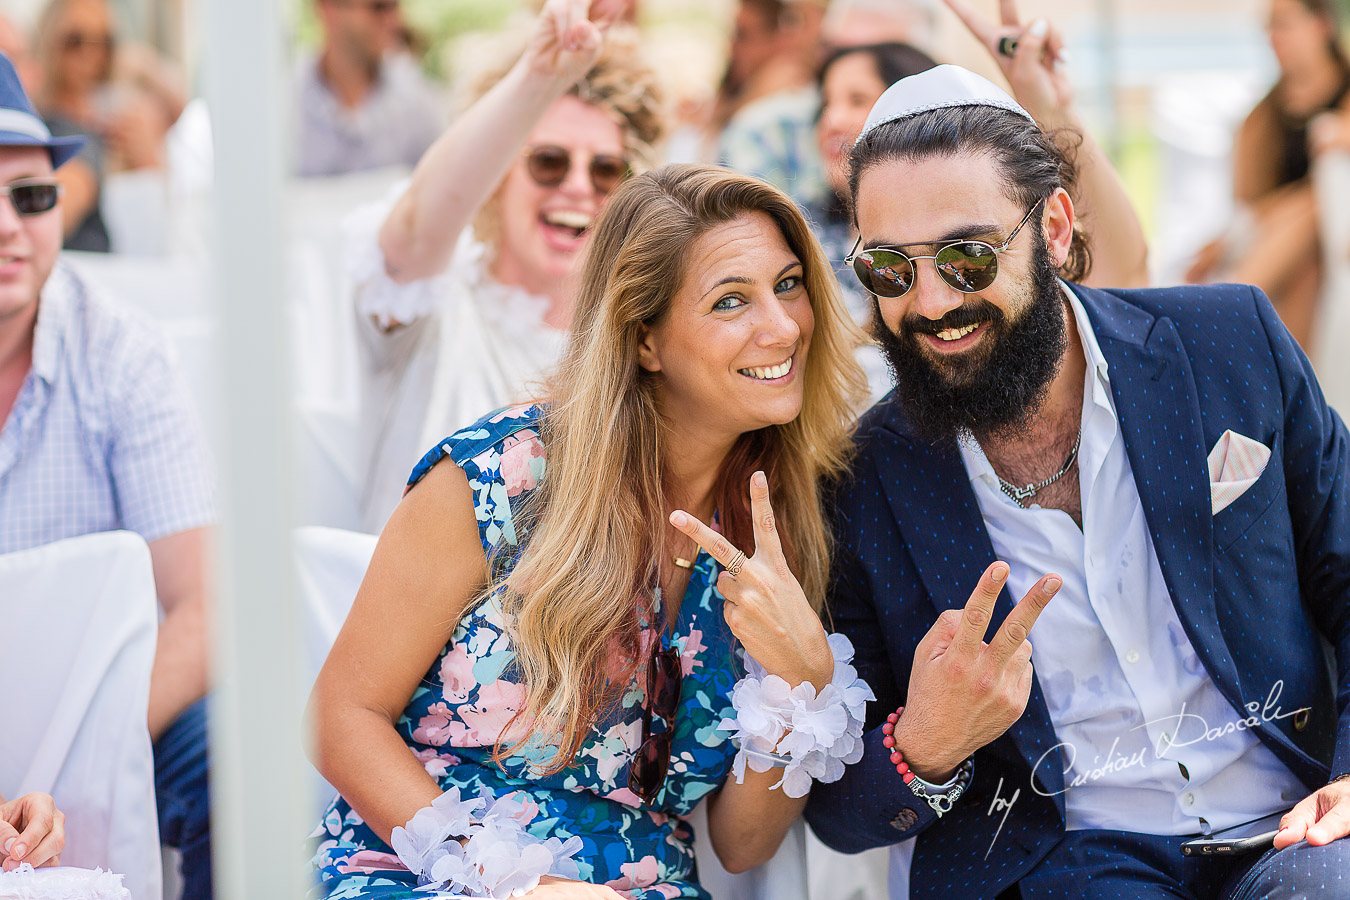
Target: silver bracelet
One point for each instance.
(942, 803)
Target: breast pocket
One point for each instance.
(1238, 517)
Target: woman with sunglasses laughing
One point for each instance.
(591, 613)
(465, 283)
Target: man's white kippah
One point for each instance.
(938, 88)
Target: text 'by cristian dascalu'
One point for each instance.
(1196, 727)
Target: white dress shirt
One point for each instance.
(1149, 744)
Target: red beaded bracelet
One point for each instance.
(897, 758)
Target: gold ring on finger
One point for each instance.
(737, 561)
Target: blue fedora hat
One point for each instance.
(19, 122)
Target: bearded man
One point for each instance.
(1154, 472)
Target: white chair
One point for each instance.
(781, 878)
(878, 874)
(330, 564)
(78, 642)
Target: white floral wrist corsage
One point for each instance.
(480, 847)
(812, 737)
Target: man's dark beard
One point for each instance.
(994, 390)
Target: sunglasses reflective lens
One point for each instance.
(968, 267)
(548, 165)
(884, 272)
(31, 199)
(608, 172)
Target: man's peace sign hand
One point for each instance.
(964, 693)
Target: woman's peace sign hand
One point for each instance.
(766, 608)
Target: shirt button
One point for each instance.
(1132, 656)
(1189, 798)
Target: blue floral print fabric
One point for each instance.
(469, 695)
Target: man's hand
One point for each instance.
(32, 830)
(1320, 818)
(964, 693)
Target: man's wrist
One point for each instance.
(927, 762)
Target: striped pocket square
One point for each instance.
(1234, 465)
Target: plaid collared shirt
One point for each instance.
(102, 435)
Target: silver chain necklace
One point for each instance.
(1022, 495)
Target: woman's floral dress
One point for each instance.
(468, 696)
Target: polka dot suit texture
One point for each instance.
(1255, 586)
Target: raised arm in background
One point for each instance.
(1038, 79)
(462, 169)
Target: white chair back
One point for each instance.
(78, 644)
(330, 564)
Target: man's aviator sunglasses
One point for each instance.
(32, 197)
(968, 266)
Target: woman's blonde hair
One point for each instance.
(620, 85)
(582, 591)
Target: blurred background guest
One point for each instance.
(97, 434)
(1271, 162)
(124, 100)
(466, 285)
(361, 101)
(767, 103)
(851, 80)
(852, 23)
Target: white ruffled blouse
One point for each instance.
(435, 354)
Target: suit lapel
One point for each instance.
(1160, 421)
(929, 494)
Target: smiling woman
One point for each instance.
(549, 626)
(465, 289)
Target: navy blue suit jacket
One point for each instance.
(1257, 587)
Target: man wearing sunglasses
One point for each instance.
(1153, 475)
(96, 434)
(362, 102)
